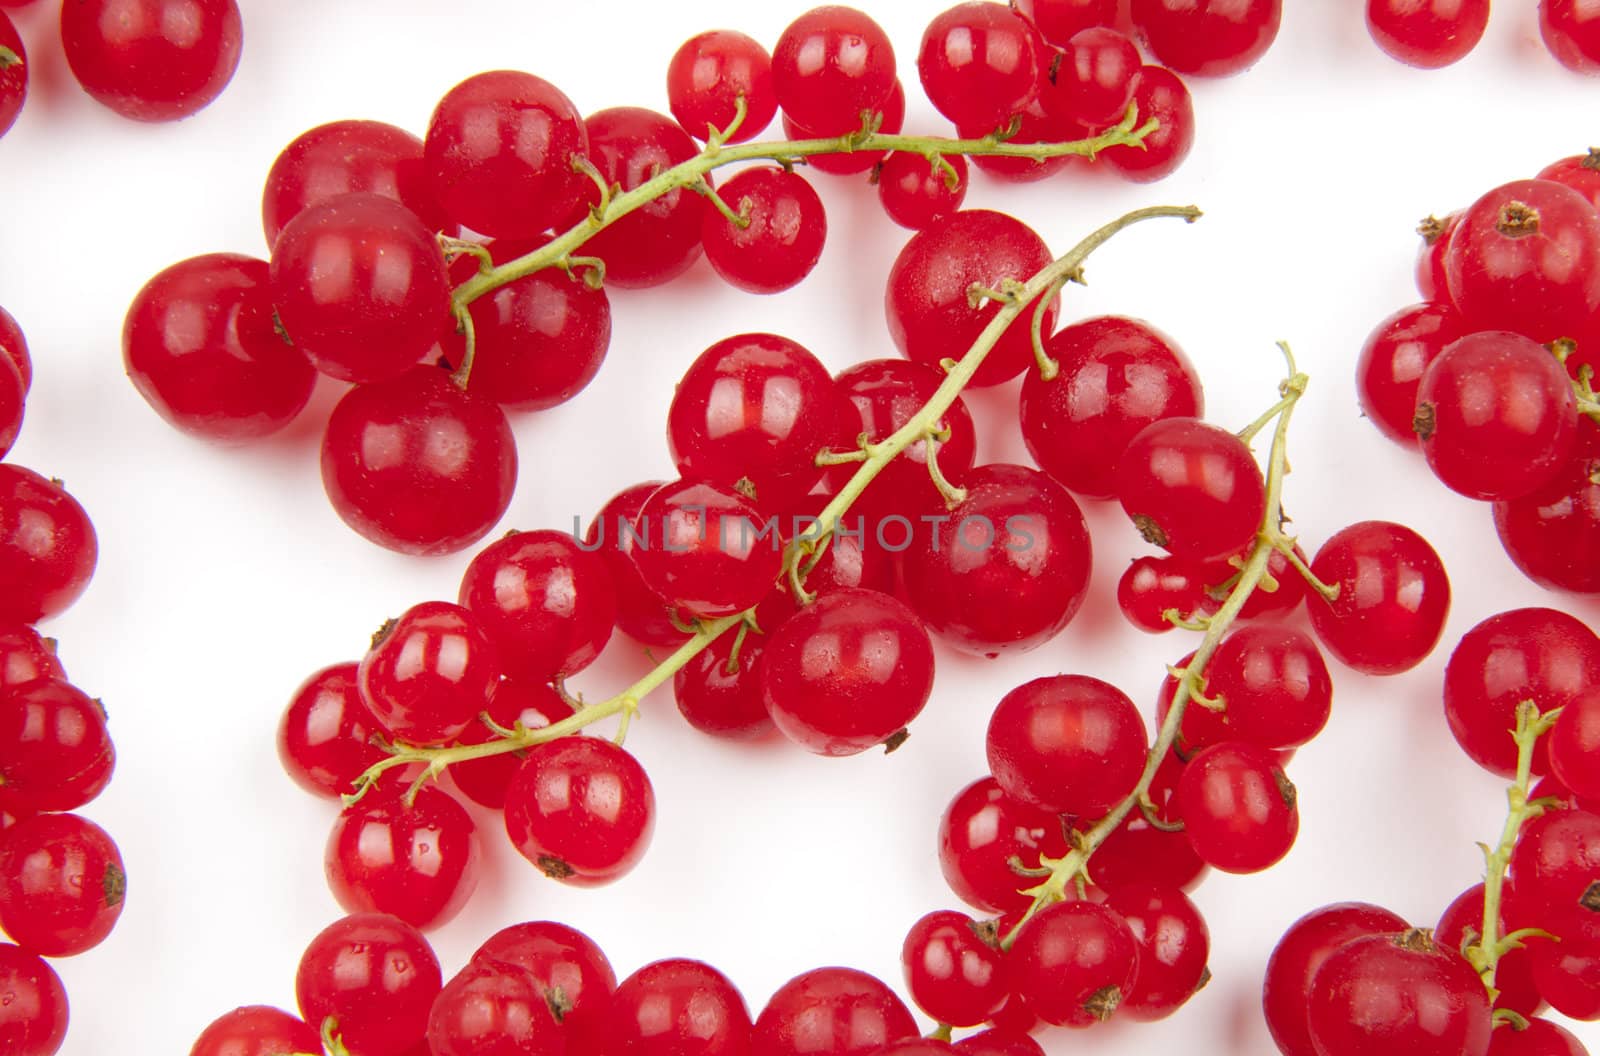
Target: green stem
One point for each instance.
(1072, 868)
(690, 173)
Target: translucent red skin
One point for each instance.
(13, 400)
(952, 974)
(62, 884)
(1036, 126)
(980, 63)
(48, 548)
(703, 555)
(1092, 82)
(1068, 953)
(784, 239)
(1496, 416)
(847, 671)
(14, 346)
(581, 809)
(1536, 654)
(839, 1011)
(915, 193)
(1211, 38)
(511, 177)
(13, 79)
(1275, 685)
(343, 157)
(199, 345)
(1550, 533)
(1431, 282)
(558, 957)
(1152, 585)
(34, 1021)
(1137, 853)
(1394, 596)
(722, 703)
(926, 303)
(25, 656)
(55, 751)
(980, 832)
(1541, 1038)
(419, 863)
(377, 976)
(168, 58)
(1117, 375)
(641, 612)
(1193, 488)
(1174, 945)
(678, 1006)
(325, 734)
(1374, 995)
(1544, 285)
(1058, 20)
(1237, 811)
(1305, 946)
(1568, 975)
(256, 1030)
(430, 674)
(1556, 862)
(998, 1042)
(1574, 744)
(1393, 361)
(486, 781)
(386, 479)
(1572, 33)
(1425, 36)
(709, 72)
(493, 1010)
(1581, 172)
(891, 118)
(1067, 744)
(545, 602)
(1513, 971)
(829, 65)
(1161, 94)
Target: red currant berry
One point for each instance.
(13, 75)
(200, 346)
(153, 60)
(1006, 569)
(1160, 94)
(1541, 655)
(544, 601)
(889, 116)
(1580, 172)
(13, 404)
(325, 735)
(13, 345)
(980, 63)
(1526, 258)
(1070, 744)
(778, 238)
(981, 831)
(831, 64)
(61, 884)
(1398, 993)
(430, 673)
(659, 241)
(953, 968)
(1539, 1038)
(838, 1011)
(1073, 963)
(540, 340)
(1058, 21)
(1091, 82)
(487, 780)
(998, 1043)
(1238, 808)
(1432, 283)
(677, 1007)
(581, 809)
(1154, 586)
(499, 153)
(705, 549)
(915, 191)
(33, 1018)
(709, 73)
(931, 317)
(25, 656)
(1571, 31)
(1392, 602)
(418, 862)
(1567, 974)
(346, 157)
(494, 1010)
(55, 752)
(1309, 942)
(1496, 416)
(418, 465)
(1550, 533)
(1557, 868)
(1575, 744)
(1274, 685)
(848, 672)
(360, 286)
(1430, 35)
(1462, 925)
(1174, 945)
(1138, 853)
(256, 1030)
(720, 694)
(614, 535)
(567, 970)
(1117, 376)
(376, 977)
(48, 548)
(1393, 361)
(1191, 488)
(1034, 125)
(1213, 38)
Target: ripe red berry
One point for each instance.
(62, 884)
(1581, 172)
(1070, 744)
(376, 977)
(390, 478)
(55, 751)
(1239, 810)
(418, 862)
(200, 346)
(1059, 20)
(779, 237)
(1213, 38)
(709, 72)
(499, 154)
(490, 1009)
(998, 1042)
(1539, 1038)
(1393, 597)
(981, 831)
(831, 64)
(1274, 685)
(1034, 125)
(1462, 924)
(487, 780)
(720, 694)
(13, 75)
(1174, 945)
(13, 345)
(1574, 744)
(847, 672)
(888, 116)
(1432, 283)
(1393, 361)
(1550, 533)
(1571, 31)
(915, 191)
(325, 735)
(1091, 83)
(430, 673)
(980, 62)
(1160, 94)
(1567, 974)
(703, 548)
(953, 968)
(568, 971)
(838, 1011)
(581, 809)
(48, 548)
(33, 1022)
(1153, 586)
(1137, 853)
(1309, 942)
(1073, 963)
(256, 1030)
(153, 60)
(1398, 993)
(13, 404)
(1191, 488)
(677, 1007)
(1429, 35)
(642, 614)
(1557, 868)
(25, 656)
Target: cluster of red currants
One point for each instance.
(61, 876)
(149, 60)
(1348, 974)
(1492, 376)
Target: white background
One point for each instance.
(225, 577)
